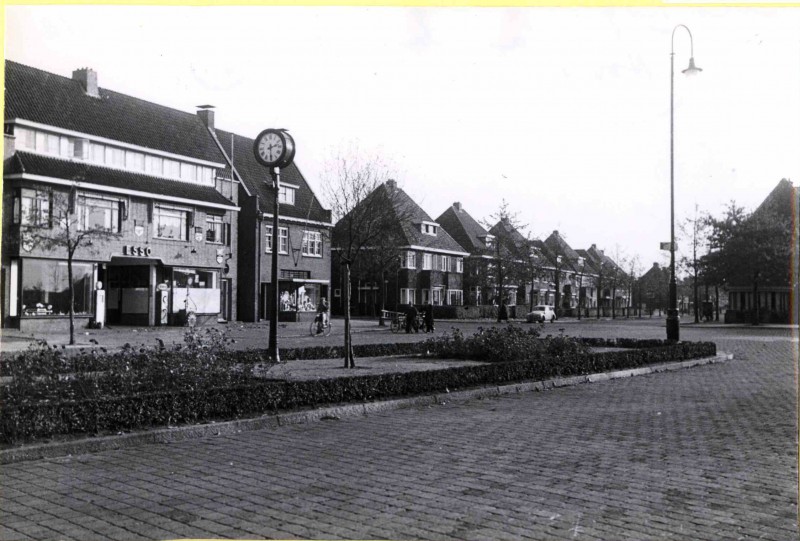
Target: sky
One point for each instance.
(562, 112)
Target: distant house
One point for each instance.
(610, 281)
(776, 278)
(428, 266)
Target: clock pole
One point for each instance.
(273, 316)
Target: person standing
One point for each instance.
(411, 319)
(428, 317)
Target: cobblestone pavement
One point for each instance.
(703, 453)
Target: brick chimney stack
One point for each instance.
(391, 184)
(457, 206)
(87, 77)
(206, 114)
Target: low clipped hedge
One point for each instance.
(173, 388)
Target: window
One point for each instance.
(45, 287)
(25, 138)
(286, 195)
(427, 261)
(188, 171)
(98, 213)
(53, 144)
(459, 264)
(312, 243)
(153, 165)
(172, 168)
(215, 229)
(196, 290)
(134, 161)
(32, 207)
(406, 296)
(283, 240)
(455, 297)
(171, 223)
(409, 261)
(445, 263)
(429, 228)
(436, 296)
(98, 153)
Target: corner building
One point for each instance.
(152, 176)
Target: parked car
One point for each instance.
(542, 313)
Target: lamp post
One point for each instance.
(673, 323)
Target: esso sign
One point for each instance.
(141, 251)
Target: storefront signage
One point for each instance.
(144, 251)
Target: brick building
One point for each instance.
(148, 175)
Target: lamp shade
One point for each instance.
(692, 69)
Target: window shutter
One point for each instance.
(50, 209)
(190, 218)
(150, 209)
(227, 234)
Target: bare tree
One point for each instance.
(69, 229)
(696, 230)
(369, 215)
(510, 251)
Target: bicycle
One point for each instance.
(320, 326)
(398, 323)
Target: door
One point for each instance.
(225, 299)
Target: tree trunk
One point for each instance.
(599, 300)
(71, 301)
(558, 293)
(614, 301)
(716, 300)
(696, 296)
(381, 322)
(349, 361)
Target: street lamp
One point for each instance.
(673, 323)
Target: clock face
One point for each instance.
(270, 147)
(274, 148)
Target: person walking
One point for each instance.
(411, 319)
(428, 317)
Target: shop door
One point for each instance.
(225, 299)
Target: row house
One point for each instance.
(147, 179)
(612, 293)
(426, 265)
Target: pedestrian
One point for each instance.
(428, 317)
(411, 319)
(502, 314)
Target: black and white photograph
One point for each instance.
(436, 273)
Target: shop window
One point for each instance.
(170, 222)
(312, 243)
(195, 290)
(45, 287)
(98, 213)
(299, 297)
(32, 207)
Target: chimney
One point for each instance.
(206, 114)
(391, 184)
(457, 206)
(555, 232)
(87, 77)
(594, 247)
(655, 265)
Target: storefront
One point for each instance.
(299, 298)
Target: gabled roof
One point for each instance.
(256, 177)
(46, 98)
(779, 200)
(602, 262)
(591, 264)
(408, 217)
(37, 167)
(464, 229)
(557, 246)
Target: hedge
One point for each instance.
(25, 418)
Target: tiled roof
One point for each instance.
(464, 229)
(255, 176)
(411, 227)
(591, 264)
(34, 164)
(557, 246)
(54, 100)
(408, 216)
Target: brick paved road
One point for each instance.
(705, 453)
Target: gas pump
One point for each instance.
(163, 304)
(99, 306)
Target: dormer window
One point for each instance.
(429, 228)
(488, 240)
(287, 193)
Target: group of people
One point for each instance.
(427, 318)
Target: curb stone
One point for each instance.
(65, 450)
